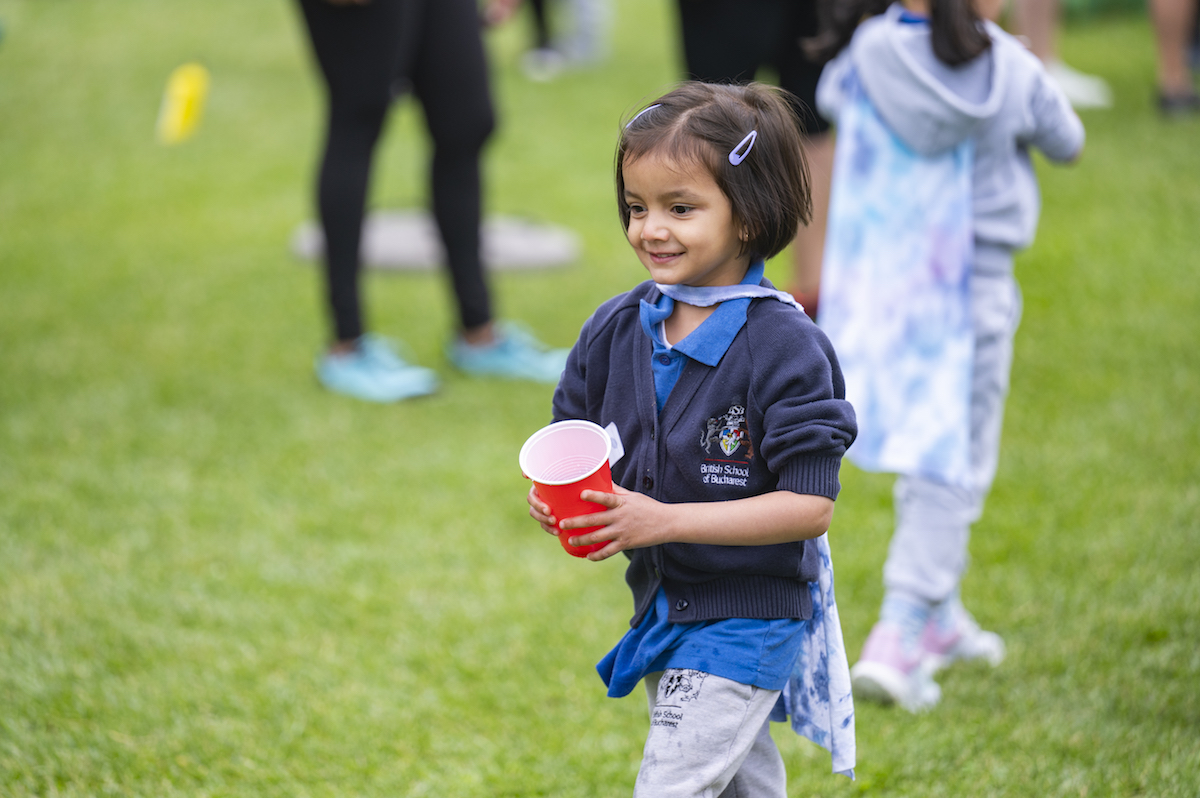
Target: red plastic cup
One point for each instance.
(563, 460)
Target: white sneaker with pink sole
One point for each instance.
(890, 674)
(952, 634)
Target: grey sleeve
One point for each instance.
(831, 88)
(1057, 130)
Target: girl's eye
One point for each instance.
(680, 209)
(636, 209)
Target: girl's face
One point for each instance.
(681, 224)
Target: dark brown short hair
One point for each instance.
(702, 123)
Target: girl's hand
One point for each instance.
(632, 521)
(540, 511)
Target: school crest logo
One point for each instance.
(729, 431)
(731, 439)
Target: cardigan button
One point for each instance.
(648, 482)
(681, 605)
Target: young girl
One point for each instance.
(728, 403)
(933, 192)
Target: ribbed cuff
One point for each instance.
(815, 476)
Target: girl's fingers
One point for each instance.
(536, 503)
(583, 521)
(541, 517)
(609, 500)
(586, 540)
(605, 553)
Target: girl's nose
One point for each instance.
(653, 229)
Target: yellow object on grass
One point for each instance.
(183, 103)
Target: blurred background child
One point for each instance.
(937, 111)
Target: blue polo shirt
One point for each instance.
(707, 343)
(745, 650)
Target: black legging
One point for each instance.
(365, 53)
(541, 24)
(726, 41)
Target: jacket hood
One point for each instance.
(910, 95)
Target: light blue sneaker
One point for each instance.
(515, 354)
(374, 372)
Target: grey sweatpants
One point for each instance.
(928, 552)
(709, 738)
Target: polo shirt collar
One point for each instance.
(708, 342)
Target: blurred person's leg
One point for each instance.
(357, 48)
(729, 41)
(587, 40)
(450, 79)
(808, 248)
(799, 75)
(1194, 51)
(928, 553)
(543, 61)
(581, 38)
(541, 24)
(922, 624)
(1174, 22)
(1037, 21)
(726, 41)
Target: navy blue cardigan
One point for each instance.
(771, 415)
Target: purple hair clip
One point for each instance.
(736, 157)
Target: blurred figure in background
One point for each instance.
(542, 62)
(369, 52)
(730, 41)
(933, 192)
(1175, 33)
(1037, 21)
(581, 39)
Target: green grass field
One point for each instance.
(217, 579)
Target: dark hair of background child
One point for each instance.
(957, 32)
